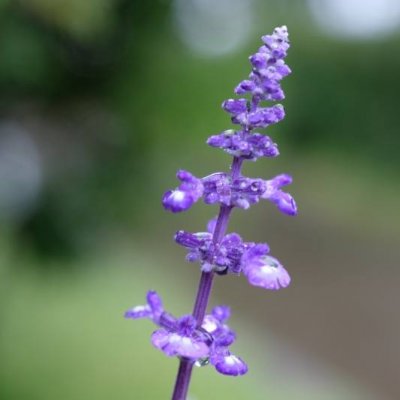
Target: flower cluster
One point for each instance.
(205, 338)
(248, 146)
(250, 117)
(222, 188)
(181, 337)
(234, 256)
(269, 68)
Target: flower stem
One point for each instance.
(203, 293)
(183, 379)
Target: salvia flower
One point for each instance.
(227, 363)
(220, 356)
(232, 255)
(263, 270)
(220, 257)
(183, 338)
(241, 192)
(152, 310)
(181, 342)
(284, 201)
(188, 192)
(201, 338)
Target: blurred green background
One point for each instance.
(101, 101)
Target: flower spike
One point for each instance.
(201, 338)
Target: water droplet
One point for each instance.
(202, 362)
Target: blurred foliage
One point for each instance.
(81, 19)
(352, 108)
(125, 60)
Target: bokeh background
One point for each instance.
(101, 101)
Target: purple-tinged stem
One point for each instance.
(236, 166)
(203, 292)
(182, 379)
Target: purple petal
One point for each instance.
(230, 365)
(267, 273)
(285, 202)
(254, 253)
(185, 176)
(221, 313)
(263, 117)
(210, 323)
(191, 240)
(281, 180)
(186, 325)
(231, 240)
(188, 192)
(155, 302)
(139, 312)
(173, 344)
(256, 118)
(177, 201)
(193, 256)
(235, 106)
(160, 340)
(259, 60)
(224, 336)
(272, 90)
(216, 141)
(283, 70)
(245, 145)
(206, 267)
(245, 87)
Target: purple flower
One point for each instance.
(228, 364)
(221, 257)
(214, 322)
(234, 256)
(266, 88)
(260, 117)
(245, 86)
(240, 192)
(263, 270)
(248, 146)
(268, 69)
(188, 192)
(220, 357)
(277, 43)
(284, 201)
(152, 310)
(182, 342)
(235, 106)
(183, 338)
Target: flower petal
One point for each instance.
(173, 344)
(267, 273)
(229, 365)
